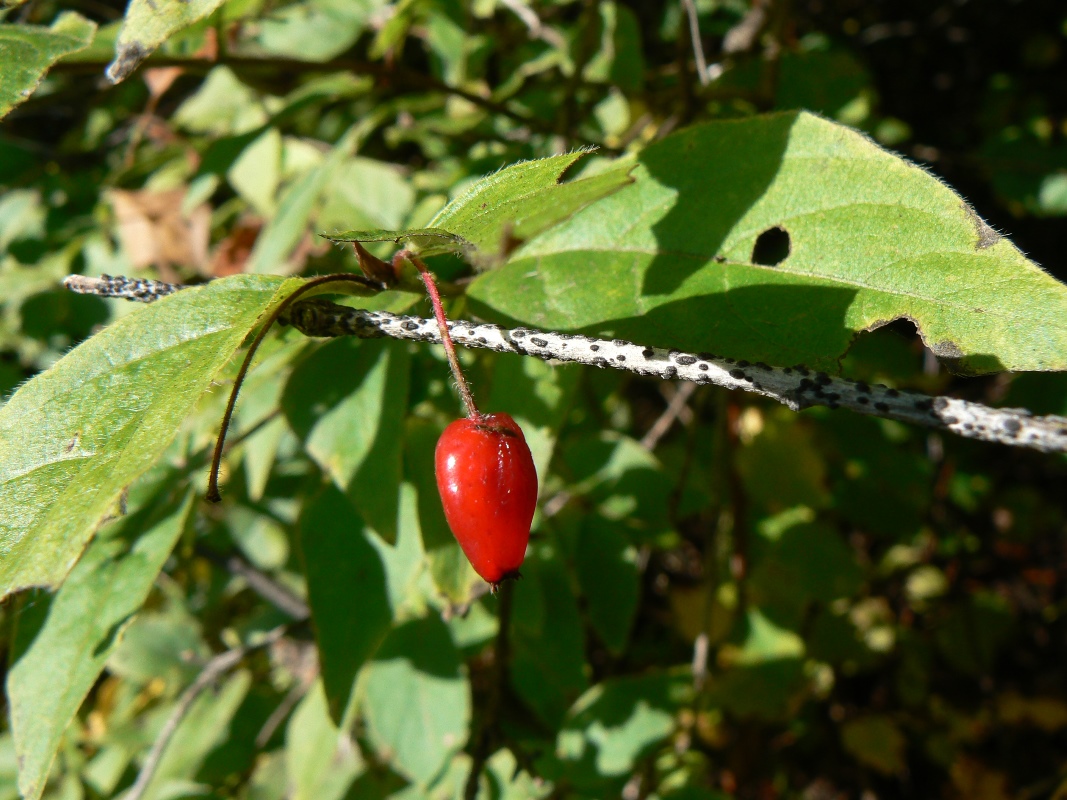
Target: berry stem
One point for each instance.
(446, 337)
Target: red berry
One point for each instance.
(488, 487)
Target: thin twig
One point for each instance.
(675, 408)
(698, 46)
(212, 671)
(795, 387)
(390, 76)
(278, 715)
(259, 582)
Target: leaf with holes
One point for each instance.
(503, 210)
(75, 436)
(781, 238)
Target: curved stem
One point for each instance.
(446, 337)
(216, 458)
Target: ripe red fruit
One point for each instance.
(488, 487)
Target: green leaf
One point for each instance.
(683, 257)
(346, 587)
(27, 52)
(548, 656)
(73, 437)
(781, 467)
(289, 225)
(55, 664)
(321, 760)
(417, 700)
(974, 632)
(368, 193)
(808, 561)
(161, 646)
(877, 742)
(426, 241)
(315, 30)
(204, 727)
(8, 769)
(620, 60)
(618, 722)
(504, 209)
(147, 25)
(765, 677)
(347, 401)
(606, 563)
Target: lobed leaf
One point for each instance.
(780, 238)
(75, 436)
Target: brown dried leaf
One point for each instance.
(160, 79)
(154, 232)
(231, 254)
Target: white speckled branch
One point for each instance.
(796, 387)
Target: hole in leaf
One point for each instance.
(771, 248)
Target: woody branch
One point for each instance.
(795, 387)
